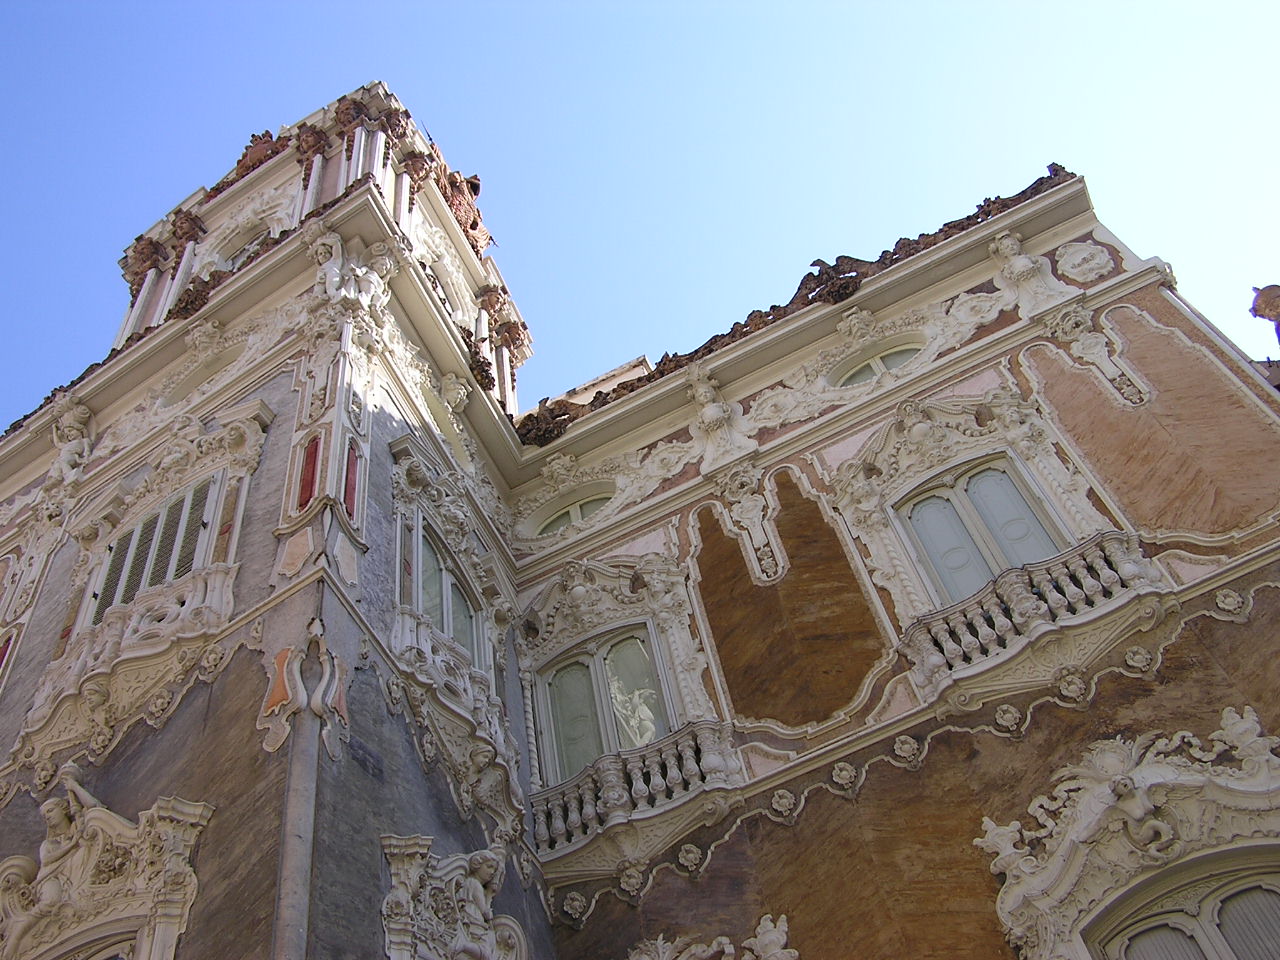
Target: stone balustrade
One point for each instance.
(1089, 579)
(620, 787)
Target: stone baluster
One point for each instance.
(587, 790)
(541, 834)
(999, 622)
(1048, 591)
(959, 625)
(573, 822)
(675, 780)
(639, 789)
(978, 623)
(950, 649)
(1067, 587)
(689, 769)
(1106, 576)
(558, 831)
(657, 783)
(1091, 587)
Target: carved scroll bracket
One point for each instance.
(287, 694)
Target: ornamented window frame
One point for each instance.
(113, 673)
(215, 488)
(929, 438)
(950, 485)
(417, 525)
(592, 601)
(1189, 900)
(592, 653)
(873, 356)
(1126, 816)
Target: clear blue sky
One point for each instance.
(652, 172)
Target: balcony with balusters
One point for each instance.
(1081, 585)
(637, 785)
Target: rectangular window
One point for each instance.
(162, 548)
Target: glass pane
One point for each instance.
(558, 522)
(462, 620)
(634, 694)
(430, 580)
(1017, 531)
(1250, 923)
(1163, 943)
(588, 507)
(573, 716)
(960, 567)
(896, 358)
(860, 375)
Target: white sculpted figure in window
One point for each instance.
(622, 681)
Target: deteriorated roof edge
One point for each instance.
(830, 283)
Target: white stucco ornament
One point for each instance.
(1128, 809)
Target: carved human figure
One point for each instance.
(1134, 802)
(455, 391)
(327, 253)
(71, 435)
(1028, 279)
(64, 832)
(719, 428)
(476, 938)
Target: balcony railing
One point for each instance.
(1085, 581)
(635, 783)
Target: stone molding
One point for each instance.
(100, 875)
(443, 906)
(1128, 809)
(812, 389)
(287, 693)
(769, 943)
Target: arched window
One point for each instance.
(602, 701)
(879, 364)
(1231, 916)
(969, 530)
(574, 513)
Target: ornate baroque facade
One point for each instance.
(928, 614)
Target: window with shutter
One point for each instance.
(164, 547)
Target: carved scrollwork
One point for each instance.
(99, 872)
(1127, 809)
